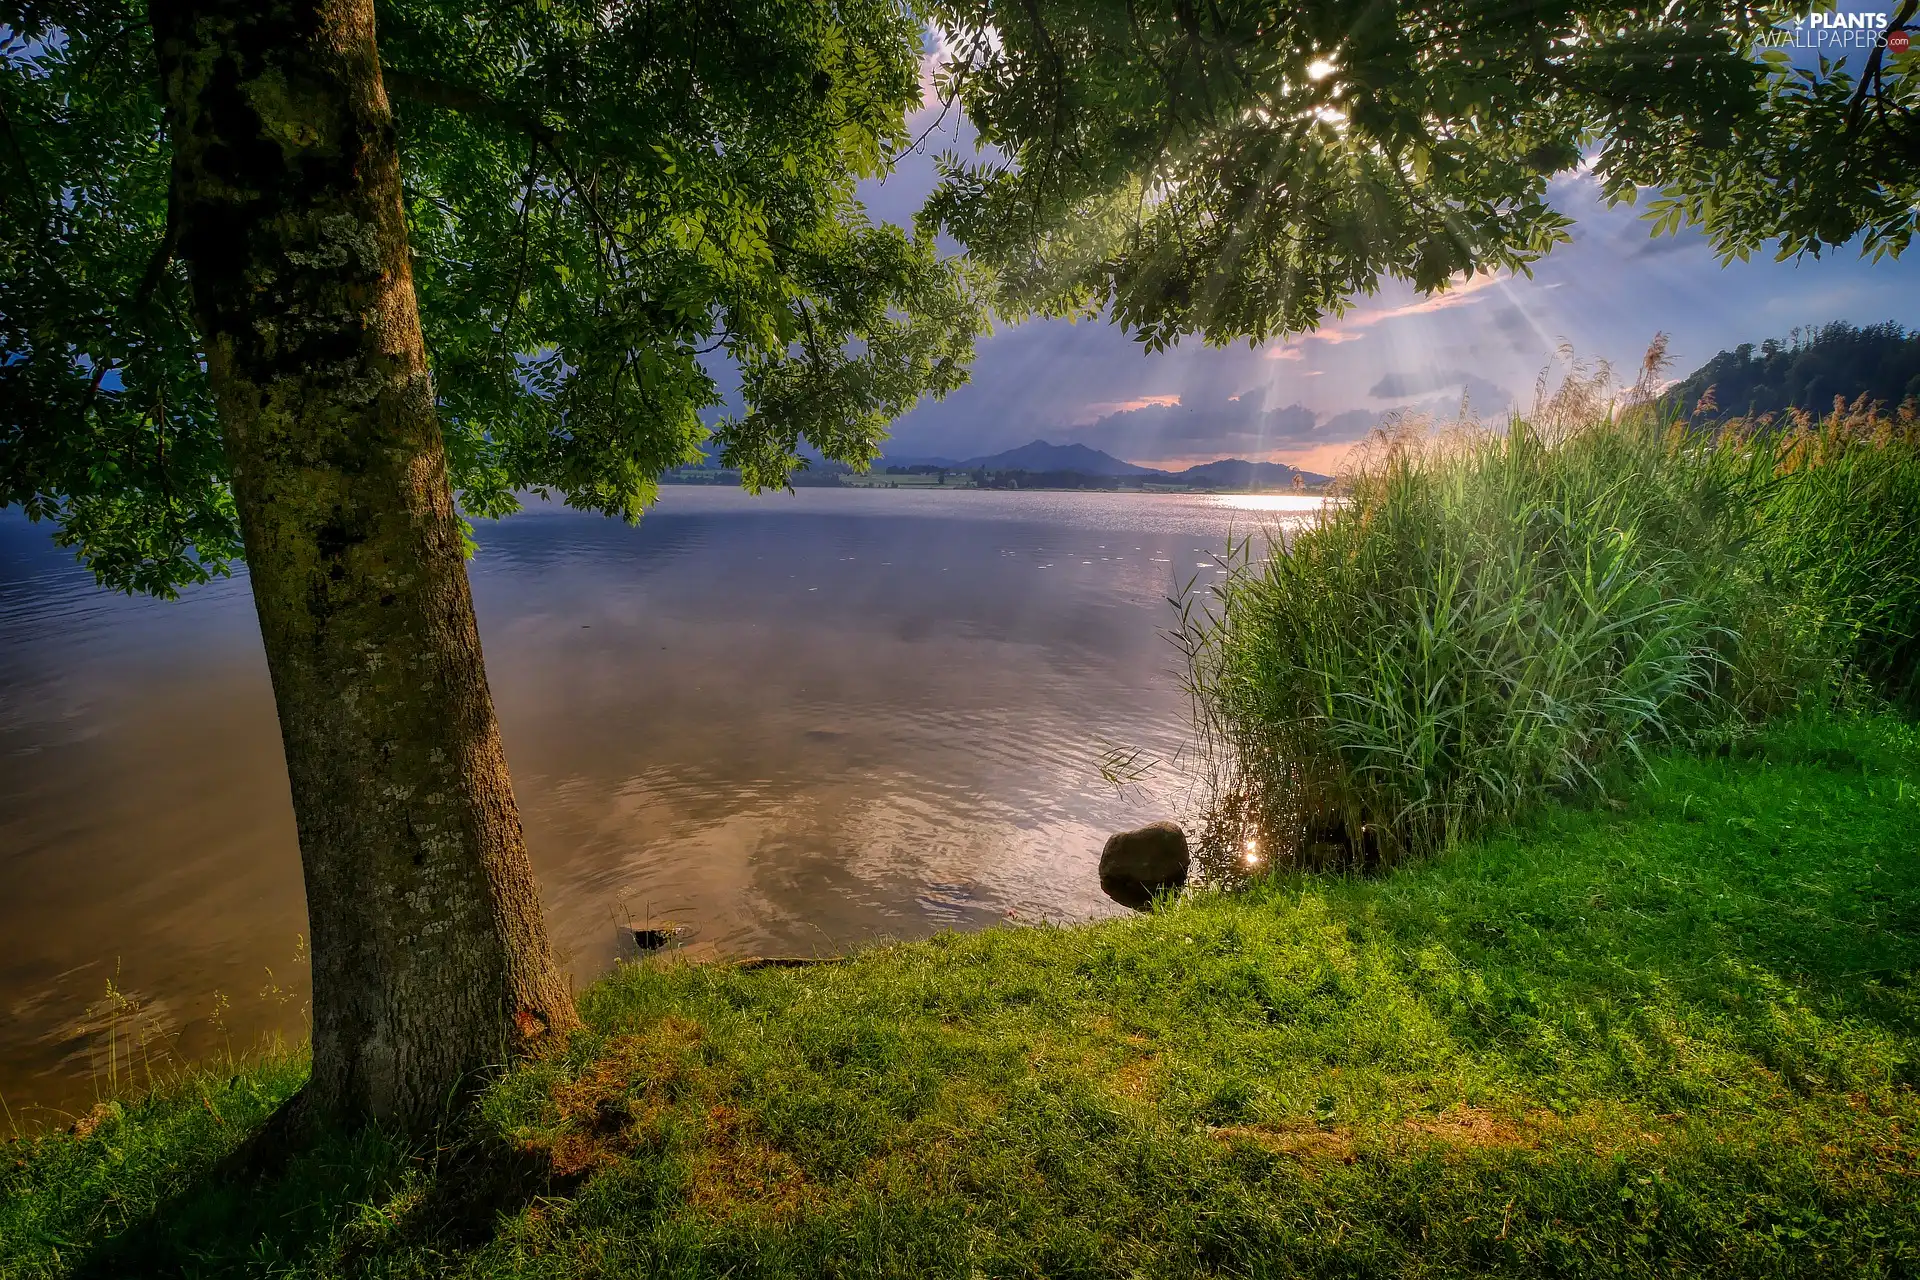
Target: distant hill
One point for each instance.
(1040, 456)
(1237, 473)
(1881, 361)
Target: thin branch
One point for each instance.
(526, 234)
(162, 255)
(1871, 75)
(946, 105)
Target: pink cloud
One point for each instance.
(1296, 348)
(1323, 458)
(1345, 329)
(1101, 409)
(1456, 295)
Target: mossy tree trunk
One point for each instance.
(430, 958)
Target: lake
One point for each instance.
(790, 724)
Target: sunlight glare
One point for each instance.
(1268, 502)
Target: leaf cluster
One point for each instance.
(1243, 169)
(602, 199)
(107, 425)
(612, 210)
(1830, 155)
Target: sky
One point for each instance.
(1305, 401)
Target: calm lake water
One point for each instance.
(791, 724)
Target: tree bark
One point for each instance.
(430, 958)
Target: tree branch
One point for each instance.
(466, 100)
(1870, 75)
(162, 255)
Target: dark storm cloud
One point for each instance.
(1483, 397)
(1351, 425)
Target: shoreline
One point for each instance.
(1668, 1036)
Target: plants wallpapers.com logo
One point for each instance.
(1841, 32)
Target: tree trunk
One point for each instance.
(430, 959)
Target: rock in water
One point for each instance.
(653, 935)
(1136, 865)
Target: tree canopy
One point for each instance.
(1829, 152)
(1240, 169)
(606, 205)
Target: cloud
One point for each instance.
(1106, 408)
(1482, 396)
(932, 60)
(1512, 320)
(1685, 241)
(1155, 429)
(1352, 424)
(1326, 459)
(1485, 398)
(1455, 296)
(1398, 385)
(1206, 425)
(1348, 327)
(1296, 348)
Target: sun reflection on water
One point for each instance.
(1294, 504)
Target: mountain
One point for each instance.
(1880, 361)
(1237, 473)
(1041, 456)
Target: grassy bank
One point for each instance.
(1677, 1034)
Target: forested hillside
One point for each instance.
(1807, 371)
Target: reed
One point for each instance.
(1492, 618)
(1842, 529)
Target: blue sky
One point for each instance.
(1305, 401)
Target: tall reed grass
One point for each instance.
(1841, 530)
(1489, 618)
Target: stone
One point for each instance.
(1136, 865)
(654, 934)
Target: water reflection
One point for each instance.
(790, 724)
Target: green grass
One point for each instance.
(1675, 1035)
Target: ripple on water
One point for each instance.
(792, 724)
